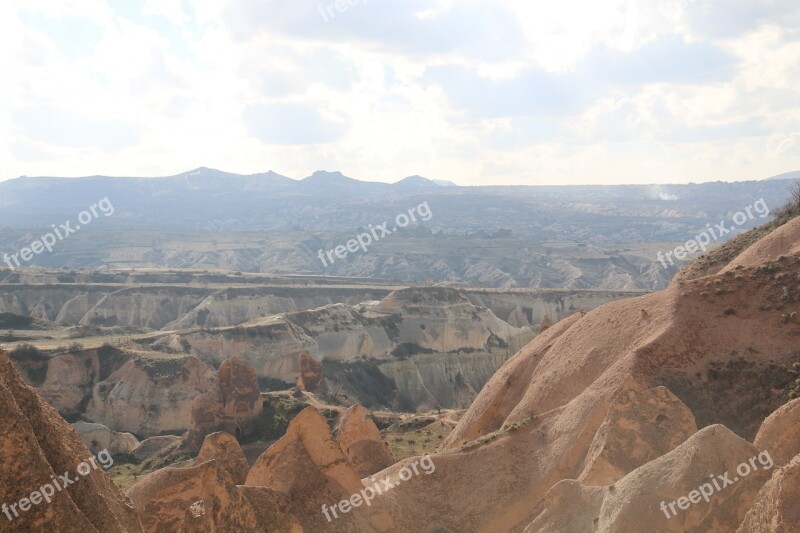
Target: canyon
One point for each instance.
(588, 420)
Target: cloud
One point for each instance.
(60, 127)
(534, 94)
(731, 18)
(416, 27)
(73, 36)
(290, 124)
(666, 59)
(538, 93)
(477, 91)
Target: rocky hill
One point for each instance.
(673, 411)
(38, 448)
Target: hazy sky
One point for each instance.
(478, 92)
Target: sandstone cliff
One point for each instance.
(150, 395)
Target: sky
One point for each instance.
(479, 92)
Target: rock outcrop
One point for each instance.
(37, 447)
(721, 344)
(204, 498)
(95, 304)
(780, 433)
(309, 468)
(233, 405)
(150, 396)
(776, 509)
(98, 437)
(640, 426)
(225, 450)
(361, 442)
(165, 497)
(154, 446)
(309, 377)
(656, 496)
(784, 241)
(66, 379)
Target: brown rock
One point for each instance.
(310, 376)
(272, 510)
(309, 468)
(776, 509)
(225, 450)
(780, 433)
(361, 442)
(641, 425)
(37, 446)
(164, 498)
(233, 405)
(634, 502)
(534, 422)
(154, 446)
(783, 241)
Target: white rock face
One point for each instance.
(433, 343)
(406, 323)
(98, 437)
(150, 396)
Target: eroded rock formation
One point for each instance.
(204, 498)
(37, 447)
(232, 405)
(309, 468)
(641, 425)
(776, 509)
(309, 377)
(780, 433)
(361, 442)
(98, 437)
(150, 396)
(720, 344)
(634, 503)
(223, 448)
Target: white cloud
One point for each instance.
(475, 91)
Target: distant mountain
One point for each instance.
(418, 182)
(786, 176)
(209, 200)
